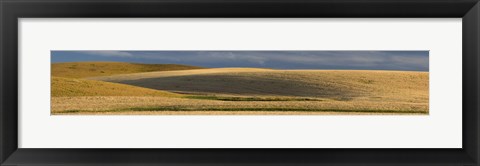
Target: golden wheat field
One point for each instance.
(135, 89)
(91, 69)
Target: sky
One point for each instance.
(353, 60)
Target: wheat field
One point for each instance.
(238, 91)
(92, 69)
(79, 87)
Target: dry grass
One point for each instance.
(245, 91)
(93, 69)
(234, 113)
(161, 105)
(398, 86)
(62, 87)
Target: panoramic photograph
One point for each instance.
(124, 82)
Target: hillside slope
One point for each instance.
(398, 86)
(67, 87)
(93, 69)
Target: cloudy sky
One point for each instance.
(370, 60)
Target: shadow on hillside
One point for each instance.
(243, 85)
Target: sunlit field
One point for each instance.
(111, 88)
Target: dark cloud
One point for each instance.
(368, 60)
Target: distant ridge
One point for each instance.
(95, 69)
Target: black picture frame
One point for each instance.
(11, 10)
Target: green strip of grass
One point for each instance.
(240, 109)
(226, 98)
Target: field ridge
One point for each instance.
(95, 69)
(62, 87)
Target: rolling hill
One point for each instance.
(68, 87)
(144, 89)
(398, 86)
(93, 69)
